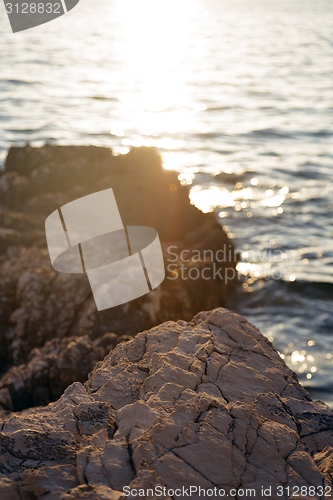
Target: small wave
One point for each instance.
(208, 135)
(269, 132)
(103, 98)
(290, 294)
(17, 82)
(220, 108)
(315, 133)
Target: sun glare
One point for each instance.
(155, 37)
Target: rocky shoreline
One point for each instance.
(48, 320)
(204, 402)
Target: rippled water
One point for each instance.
(238, 97)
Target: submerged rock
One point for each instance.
(205, 404)
(38, 305)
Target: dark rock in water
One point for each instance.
(38, 305)
(205, 404)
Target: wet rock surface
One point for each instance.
(208, 403)
(39, 305)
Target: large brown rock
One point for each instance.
(38, 305)
(205, 404)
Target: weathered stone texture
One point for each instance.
(206, 403)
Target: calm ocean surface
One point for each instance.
(237, 95)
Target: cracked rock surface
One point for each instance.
(206, 403)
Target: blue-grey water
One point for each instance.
(237, 95)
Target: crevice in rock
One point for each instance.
(130, 454)
(192, 467)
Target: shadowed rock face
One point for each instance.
(206, 403)
(39, 305)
